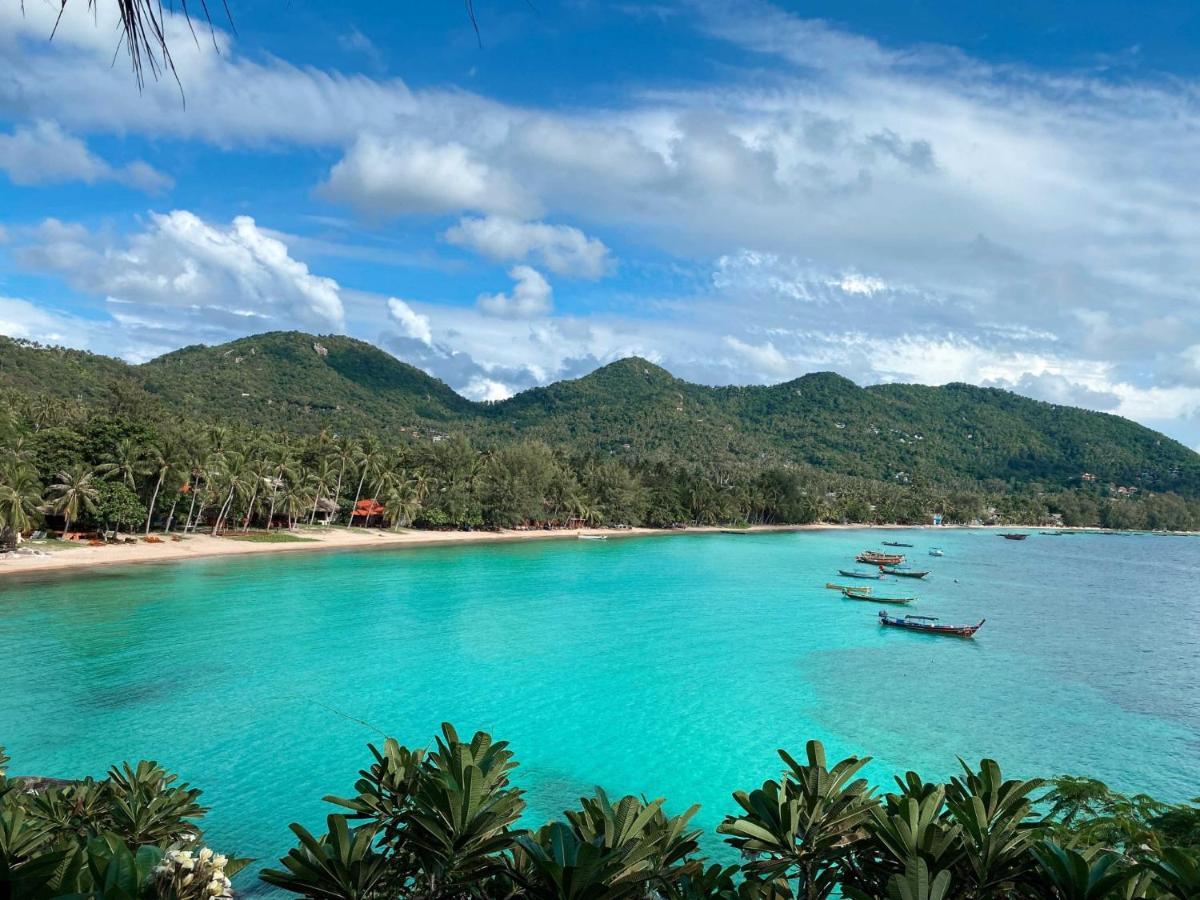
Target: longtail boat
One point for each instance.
(879, 559)
(929, 625)
(855, 594)
(1014, 537)
(865, 589)
(902, 573)
(895, 544)
(846, 573)
(937, 551)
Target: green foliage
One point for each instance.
(117, 506)
(119, 839)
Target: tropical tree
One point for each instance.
(802, 828)
(73, 494)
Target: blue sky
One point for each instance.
(1003, 194)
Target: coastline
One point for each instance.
(335, 538)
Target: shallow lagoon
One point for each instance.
(670, 666)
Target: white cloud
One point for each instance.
(183, 279)
(480, 388)
(763, 359)
(398, 176)
(412, 324)
(43, 153)
(562, 249)
(22, 319)
(530, 296)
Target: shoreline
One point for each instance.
(339, 538)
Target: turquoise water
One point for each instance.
(671, 666)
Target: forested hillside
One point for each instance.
(303, 383)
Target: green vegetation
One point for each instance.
(443, 823)
(270, 537)
(283, 429)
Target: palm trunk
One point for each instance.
(171, 515)
(271, 514)
(317, 499)
(187, 526)
(154, 500)
(357, 494)
(224, 510)
(337, 493)
(250, 509)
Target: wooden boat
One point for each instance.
(853, 594)
(593, 537)
(895, 544)
(846, 573)
(902, 573)
(936, 551)
(872, 558)
(1014, 537)
(735, 531)
(865, 589)
(929, 625)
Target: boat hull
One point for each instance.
(901, 573)
(928, 627)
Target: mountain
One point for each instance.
(898, 433)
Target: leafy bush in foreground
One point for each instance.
(442, 823)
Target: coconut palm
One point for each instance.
(20, 494)
(73, 493)
(366, 460)
(125, 463)
(163, 460)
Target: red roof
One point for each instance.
(368, 508)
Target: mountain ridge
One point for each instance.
(301, 382)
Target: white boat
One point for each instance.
(593, 537)
(936, 552)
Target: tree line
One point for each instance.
(445, 823)
(90, 467)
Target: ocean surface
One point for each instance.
(665, 666)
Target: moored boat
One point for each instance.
(847, 573)
(936, 551)
(875, 558)
(856, 594)
(895, 544)
(865, 589)
(902, 573)
(593, 537)
(1014, 536)
(929, 625)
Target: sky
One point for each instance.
(998, 193)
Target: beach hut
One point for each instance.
(367, 513)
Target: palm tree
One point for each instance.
(73, 494)
(320, 480)
(20, 493)
(367, 460)
(163, 459)
(343, 455)
(125, 462)
(233, 473)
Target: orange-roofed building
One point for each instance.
(368, 511)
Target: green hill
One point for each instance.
(897, 433)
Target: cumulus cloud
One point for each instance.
(905, 213)
(486, 389)
(398, 176)
(562, 249)
(764, 359)
(42, 153)
(411, 324)
(23, 319)
(530, 296)
(182, 278)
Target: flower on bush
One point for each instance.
(193, 875)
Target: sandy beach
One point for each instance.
(197, 546)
